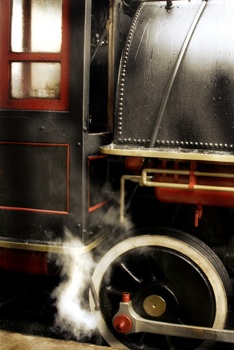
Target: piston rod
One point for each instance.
(140, 324)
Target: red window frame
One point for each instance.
(7, 57)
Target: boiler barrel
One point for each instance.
(176, 77)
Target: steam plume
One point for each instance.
(73, 317)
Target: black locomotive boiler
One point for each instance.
(129, 100)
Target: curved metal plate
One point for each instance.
(199, 110)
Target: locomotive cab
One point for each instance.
(53, 119)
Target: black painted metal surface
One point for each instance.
(199, 110)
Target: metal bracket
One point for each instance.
(169, 5)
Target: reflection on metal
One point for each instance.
(53, 248)
(170, 83)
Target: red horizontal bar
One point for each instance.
(45, 211)
(34, 56)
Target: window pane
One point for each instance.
(35, 80)
(36, 26)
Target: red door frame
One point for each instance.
(6, 57)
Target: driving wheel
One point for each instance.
(171, 277)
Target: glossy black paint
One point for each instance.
(199, 110)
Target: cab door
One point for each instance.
(41, 117)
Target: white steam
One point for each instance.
(73, 317)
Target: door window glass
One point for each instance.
(36, 26)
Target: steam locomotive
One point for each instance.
(124, 106)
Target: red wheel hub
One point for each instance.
(122, 324)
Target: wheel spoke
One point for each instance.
(154, 270)
(130, 273)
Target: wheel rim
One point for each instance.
(149, 267)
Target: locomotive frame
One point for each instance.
(90, 126)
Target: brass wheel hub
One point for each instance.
(154, 305)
